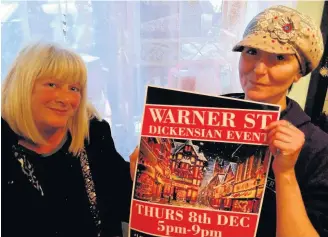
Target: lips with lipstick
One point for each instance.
(60, 111)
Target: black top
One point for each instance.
(64, 208)
(311, 172)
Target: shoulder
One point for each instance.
(6, 132)
(98, 123)
(99, 127)
(322, 122)
(100, 136)
(313, 160)
(316, 138)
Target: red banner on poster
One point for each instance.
(211, 124)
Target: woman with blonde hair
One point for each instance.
(61, 173)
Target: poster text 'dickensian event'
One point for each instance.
(207, 124)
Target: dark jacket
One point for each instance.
(64, 208)
(311, 172)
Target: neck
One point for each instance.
(53, 138)
(283, 103)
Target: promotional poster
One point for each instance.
(202, 167)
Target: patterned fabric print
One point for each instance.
(284, 27)
(89, 185)
(288, 26)
(281, 28)
(27, 167)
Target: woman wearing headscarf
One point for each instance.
(279, 46)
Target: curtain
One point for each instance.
(128, 45)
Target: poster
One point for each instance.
(202, 166)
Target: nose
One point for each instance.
(260, 67)
(63, 97)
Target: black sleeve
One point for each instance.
(113, 177)
(122, 177)
(125, 182)
(315, 192)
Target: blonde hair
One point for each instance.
(41, 60)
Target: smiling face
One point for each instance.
(266, 77)
(54, 102)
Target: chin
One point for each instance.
(257, 96)
(57, 123)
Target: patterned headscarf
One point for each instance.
(283, 30)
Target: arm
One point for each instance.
(292, 218)
(285, 142)
(112, 178)
(123, 181)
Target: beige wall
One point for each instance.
(313, 9)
